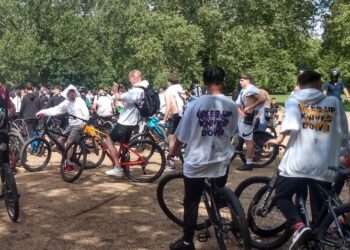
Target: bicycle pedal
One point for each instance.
(203, 236)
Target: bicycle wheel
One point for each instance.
(334, 231)
(269, 228)
(247, 189)
(140, 138)
(170, 196)
(10, 193)
(35, 154)
(15, 144)
(95, 154)
(72, 166)
(233, 231)
(143, 165)
(264, 154)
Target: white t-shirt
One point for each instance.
(131, 115)
(162, 103)
(318, 127)
(207, 127)
(104, 105)
(175, 92)
(17, 101)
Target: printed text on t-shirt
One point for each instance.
(213, 121)
(317, 117)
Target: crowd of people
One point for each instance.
(314, 124)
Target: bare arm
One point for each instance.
(260, 98)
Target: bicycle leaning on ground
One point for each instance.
(141, 165)
(219, 208)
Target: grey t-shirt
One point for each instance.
(207, 127)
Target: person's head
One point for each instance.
(245, 80)
(309, 79)
(214, 78)
(29, 87)
(135, 76)
(71, 95)
(173, 79)
(334, 75)
(18, 93)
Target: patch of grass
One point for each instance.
(280, 99)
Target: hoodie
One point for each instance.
(30, 105)
(77, 108)
(318, 127)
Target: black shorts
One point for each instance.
(173, 123)
(121, 133)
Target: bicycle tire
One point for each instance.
(250, 181)
(165, 207)
(24, 152)
(76, 157)
(11, 195)
(283, 230)
(341, 211)
(93, 148)
(154, 148)
(260, 139)
(16, 142)
(239, 224)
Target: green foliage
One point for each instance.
(96, 42)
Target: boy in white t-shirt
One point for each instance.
(206, 127)
(317, 127)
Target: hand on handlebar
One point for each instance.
(39, 115)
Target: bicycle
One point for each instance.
(264, 153)
(210, 213)
(263, 209)
(137, 167)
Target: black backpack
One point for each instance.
(150, 104)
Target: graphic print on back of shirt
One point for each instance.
(317, 117)
(213, 122)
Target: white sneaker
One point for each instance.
(170, 165)
(116, 171)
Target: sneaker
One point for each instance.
(68, 166)
(181, 245)
(116, 171)
(300, 236)
(170, 166)
(246, 167)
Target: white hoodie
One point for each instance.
(77, 108)
(318, 127)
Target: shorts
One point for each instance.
(245, 131)
(121, 133)
(75, 134)
(173, 123)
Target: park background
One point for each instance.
(95, 42)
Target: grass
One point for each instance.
(280, 99)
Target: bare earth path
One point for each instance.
(97, 212)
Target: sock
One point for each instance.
(186, 243)
(298, 225)
(249, 161)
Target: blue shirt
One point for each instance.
(335, 89)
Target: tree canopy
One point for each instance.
(96, 42)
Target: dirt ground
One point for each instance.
(96, 212)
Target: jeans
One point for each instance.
(194, 188)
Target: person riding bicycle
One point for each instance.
(73, 105)
(127, 120)
(103, 104)
(317, 126)
(335, 87)
(206, 128)
(250, 102)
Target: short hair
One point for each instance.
(214, 75)
(29, 86)
(308, 77)
(173, 79)
(246, 76)
(135, 72)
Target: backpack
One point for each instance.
(150, 104)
